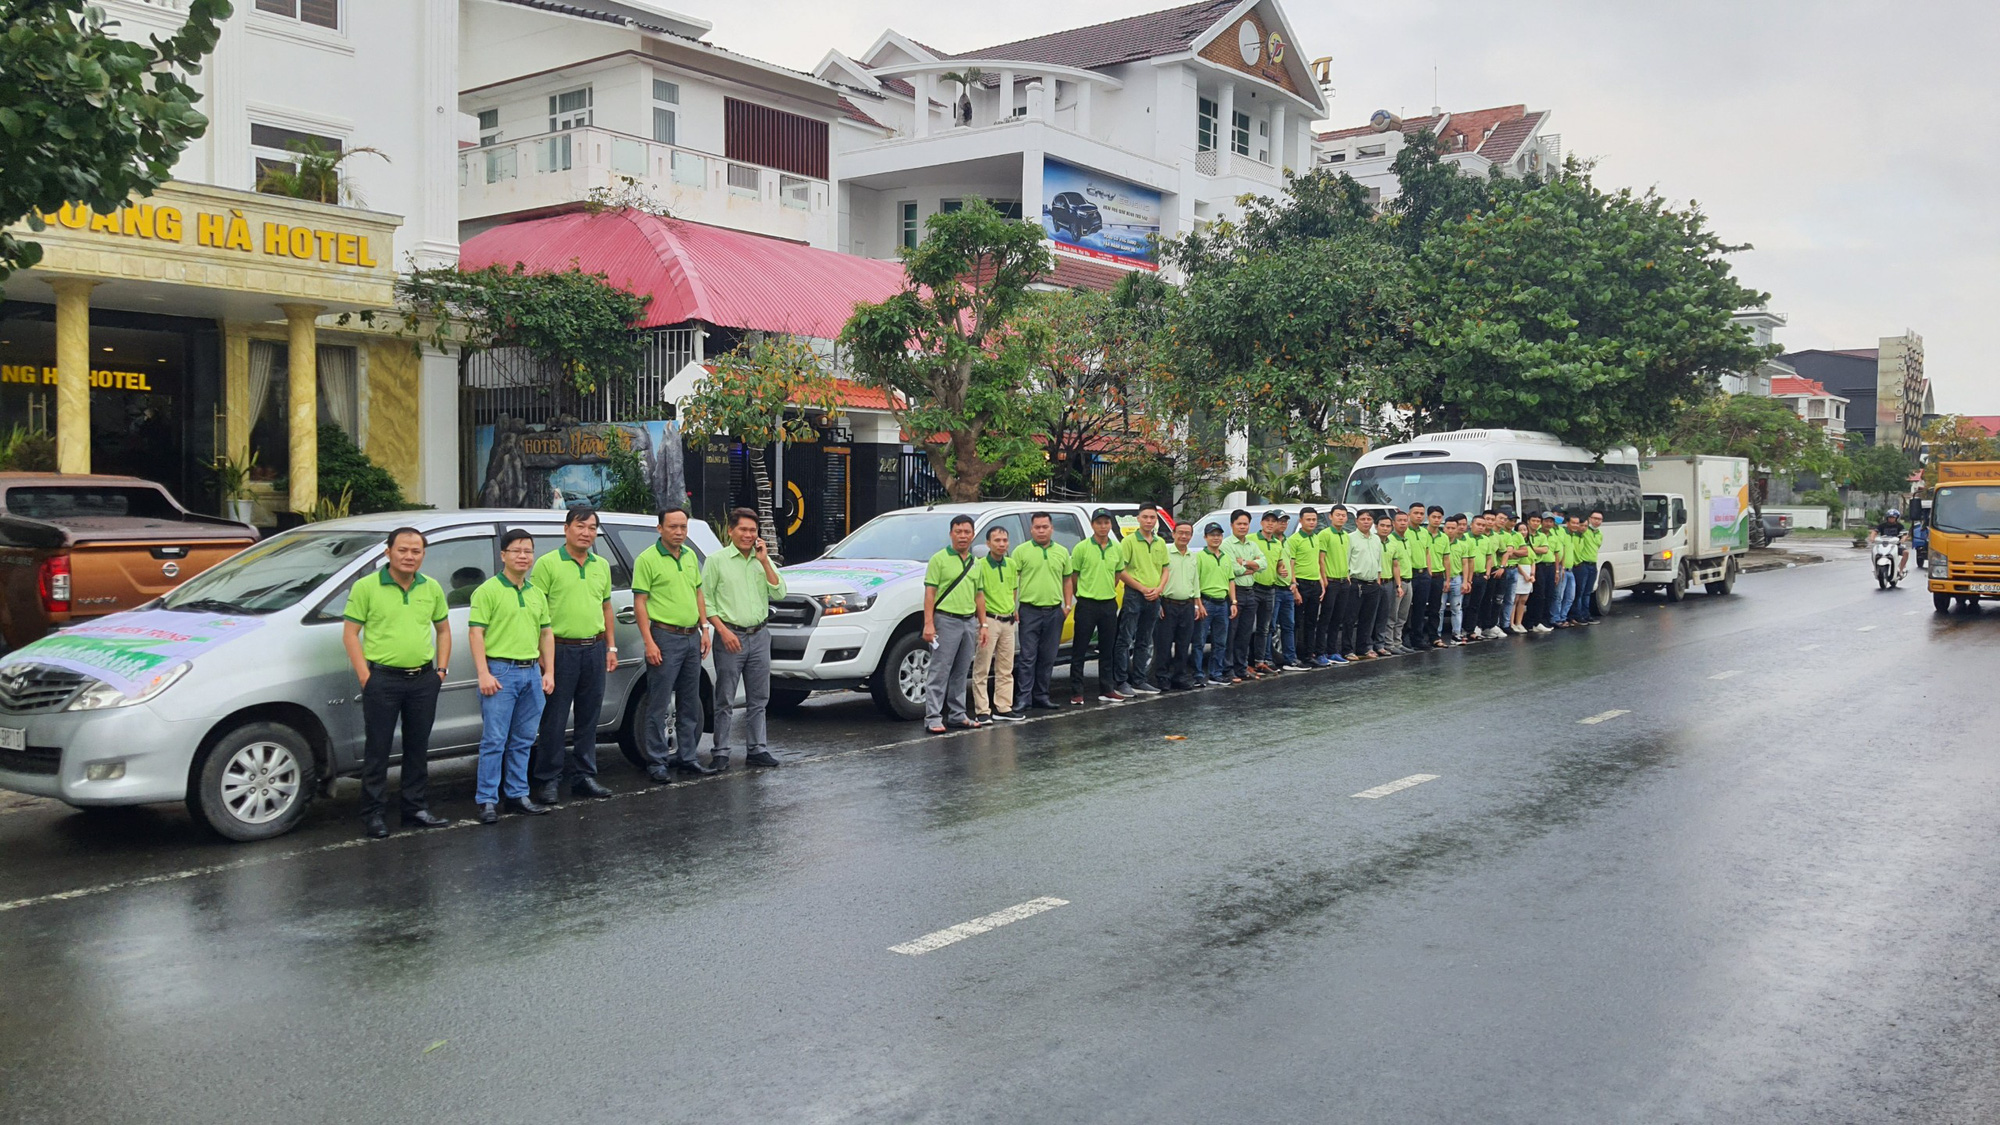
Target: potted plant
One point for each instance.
(232, 478)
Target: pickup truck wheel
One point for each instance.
(898, 684)
(254, 783)
(785, 700)
(1728, 583)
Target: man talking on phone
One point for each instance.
(739, 584)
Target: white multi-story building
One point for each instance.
(1818, 406)
(1763, 325)
(1108, 135)
(204, 320)
(1511, 138)
(628, 102)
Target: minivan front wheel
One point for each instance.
(254, 783)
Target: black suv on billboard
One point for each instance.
(1070, 211)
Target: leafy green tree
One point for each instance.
(578, 323)
(1766, 432)
(345, 470)
(1597, 316)
(89, 118)
(1881, 471)
(1431, 191)
(315, 174)
(947, 349)
(761, 393)
(1090, 357)
(1954, 437)
(628, 486)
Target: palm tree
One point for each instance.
(962, 111)
(316, 175)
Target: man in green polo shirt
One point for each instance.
(1216, 572)
(672, 613)
(1337, 609)
(515, 655)
(1590, 539)
(740, 584)
(954, 626)
(1397, 571)
(1045, 604)
(398, 639)
(577, 582)
(1418, 539)
(1248, 554)
(1364, 562)
(999, 576)
(1273, 582)
(1145, 554)
(1093, 582)
(1307, 553)
(1180, 615)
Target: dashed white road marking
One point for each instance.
(1726, 675)
(1396, 786)
(993, 921)
(1600, 717)
(1867, 628)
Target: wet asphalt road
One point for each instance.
(1767, 892)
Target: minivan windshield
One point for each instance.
(1967, 509)
(1454, 486)
(273, 575)
(914, 536)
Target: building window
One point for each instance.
(319, 13)
(908, 213)
(1239, 134)
(794, 191)
(1264, 142)
(1337, 157)
(665, 95)
(276, 149)
(1008, 208)
(1207, 113)
(569, 110)
(950, 206)
(758, 134)
(489, 127)
(1367, 151)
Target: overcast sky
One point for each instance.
(1855, 145)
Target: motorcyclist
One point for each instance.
(1892, 527)
(1920, 538)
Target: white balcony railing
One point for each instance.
(565, 167)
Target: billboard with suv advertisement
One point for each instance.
(1100, 216)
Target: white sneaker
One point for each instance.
(1541, 629)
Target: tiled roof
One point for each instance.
(1798, 385)
(855, 396)
(592, 14)
(1991, 422)
(854, 112)
(1118, 41)
(1507, 137)
(1075, 273)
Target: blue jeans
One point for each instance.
(1565, 595)
(1132, 652)
(1454, 608)
(1284, 642)
(1211, 641)
(508, 721)
(677, 678)
(1586, 592)
(579, 689)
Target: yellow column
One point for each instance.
(302, 373)
(73, 373)
(236, 390)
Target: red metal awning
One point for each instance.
(696, 272)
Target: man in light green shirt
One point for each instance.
(1307, 553)
(1216, 574)
(954, 627)
(999, 577)
(1093, 582)
(672, 611)
(1398, 567)
(398, 640)
(1337, 607)
(1248, 554)
(1045, 604)
(739, 584)
(1144, 578)
(577, 582)
(515, 655)
(1364, 564)
(1180, 614)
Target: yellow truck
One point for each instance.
(1965, 534)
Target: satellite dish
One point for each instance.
(1382, 121)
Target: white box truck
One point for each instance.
(1696, 522)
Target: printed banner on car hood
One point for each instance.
(130, 651)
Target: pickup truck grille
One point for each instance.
(28, 688)
(795, 611)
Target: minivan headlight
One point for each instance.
(100, 695)
(847, 602)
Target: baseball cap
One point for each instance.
(1100, 514)
(1213, 528)
(1275, 514)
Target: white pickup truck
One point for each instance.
(1697, 523)
(854, 617)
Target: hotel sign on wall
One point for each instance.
(230, 230)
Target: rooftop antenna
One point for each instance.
(1436, 109)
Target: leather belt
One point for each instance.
(681, 630)
(393, 670)
(960, 616)
(746, 630)
(1008, 618)
(580, 641)
(1177, 601)
(509, 660)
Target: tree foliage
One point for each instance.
(760, 393)
(89, 118)
(1089, 355)
(1765, 431)
(1878, 470)
(1432, 192)
(345, 470)
(1597, 316)
(577, 322)
(315, 173)
(947, 350)
(1954, 437)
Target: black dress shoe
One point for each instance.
(718, 761)
(526, 806)
(660, 775)
(424, 818)
(549, 794)
(489, 814)
(690, 766)
(588, 787)
(374, 827)
(761, 758)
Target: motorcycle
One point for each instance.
(1887, 551)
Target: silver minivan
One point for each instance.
(252, 725)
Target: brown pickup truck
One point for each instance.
(73, 547)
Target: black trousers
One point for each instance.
(1173, 653)
(1096, 623)
(1242, 630)
(1434, 621)
(1543, 599)
(392, 698)
(1420, 599)
(1473, 615)
(1368, 615)
(1337, 614)
(1305, 622)
(1035, 660)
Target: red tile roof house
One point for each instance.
(1512, 138)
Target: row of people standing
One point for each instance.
(543, 642)
(1239, 607)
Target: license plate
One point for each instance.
(13, 738)
(1984, 588)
